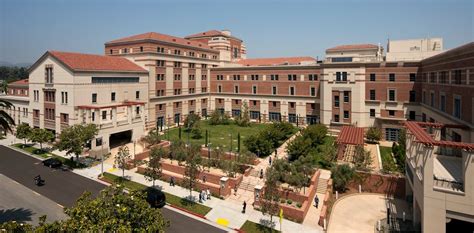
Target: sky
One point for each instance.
(269, 28)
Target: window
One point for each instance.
(457, 107)
(203, 55)
(49, 74)
(236, 89)
(64, 98)
(292, 77)
(274, 77)
(177, 77)
(313, 77)
(160, 77)
(160, 92)
(312, 91)
(236, 77)
(115, 79)
(412, 115)
(274, 90)
(177, 91)
(137, 110)
(160, 49)
(177, 52)
(346, 96)
(177, 64)
(203, 89)
(391, 95)
(220, 77)
(341, 59)
(112, 96)
(432, 100)
(124, 50)
(160, 63)
(94, 97)
(191, 54)
(346, 114)
(391, 77)
(254, 89)
(111, 51)
(254, 77)
(292, 105)
(36, 95)
(292, 90)
(191, 77)
(457, 77)
(336, 101)
(137, 94)
(203, 66)
(203, 77)
(254, 115)
(442, 103)
(432, 77)
(372, 77)
(412, 77)
(391, 113)
(412, 96)
(93, 116)
(336, 118)
(443, 77)
(192, 90)
(372, 94)
(372, 112)
(141, 48)
(219, 88)
(338, 76)
(344, 76)
(192, 65)
(104, 115)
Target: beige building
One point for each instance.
(413, 49)
(354, 53)
(71, 88)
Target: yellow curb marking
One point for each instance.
(112, 169)
(222, 221)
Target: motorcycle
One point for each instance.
(38, 180)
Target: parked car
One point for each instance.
(155, 198)
(52, 163)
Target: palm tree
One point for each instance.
(6, 121)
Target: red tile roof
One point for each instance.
(91, 62)
(275, 61)
(210, 34)
(160, 37)
(22, 82)
(351, 135)
(353, 47)
(423, 137)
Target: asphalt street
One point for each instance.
(19, 203)
(64, 187)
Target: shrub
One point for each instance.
(218, 118)
(282, 201)
(298, 205)
(289, 201)
(191, 121)
(341, 175)
(316, 133)
(258, 145)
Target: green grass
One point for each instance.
(218, 134)
(251, 227)
(170, 198)
(387, 159)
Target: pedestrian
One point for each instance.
(316, 201)
(270, 160)
(204, 178)
(208, 194)
(235, 190)
(245, 206)
(200, 197)
(203, 194)
(261, 173)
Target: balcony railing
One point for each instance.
(448, 184)
(50, 124)
(36, 122)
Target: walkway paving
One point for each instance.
(360, 212)
(376, 165)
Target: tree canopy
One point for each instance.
(23, 131)
(41, 136)
(6, 121)
(74, 138)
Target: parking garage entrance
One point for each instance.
(120, 139)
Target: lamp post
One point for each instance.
(230, 149)
(102, 159)
(209, 156)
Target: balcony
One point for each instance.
(448, 173)
(49, 124)
(36, 122)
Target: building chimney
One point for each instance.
(226, 32)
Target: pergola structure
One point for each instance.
(348, 139)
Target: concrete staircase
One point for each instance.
(247, 186)
(322, 185)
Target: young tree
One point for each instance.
(122, 157)
(341, 175)
(178, 151)
(243, 120)
(373, 134)
(269, 203)
(300, 146)
(74, 138)
(192, 169)
(23, 131)
(317, 133)
(362, 159)
(153, 170)
(153, 138)
(6, 121)
(196, 131)
(41, 136)
(238, 142)
(190, 121)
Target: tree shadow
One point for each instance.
(15, 214)
(266, 225)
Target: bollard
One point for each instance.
(337, 195)
(378, 225)
(403, 216)
(324, 224)
(360, 188)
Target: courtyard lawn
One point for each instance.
(251, 227)
(170, 198)
(387, 159)
(218, 134)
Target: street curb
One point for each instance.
(24, 152)
(187, 211)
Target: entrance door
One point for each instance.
(391, 134)
(160, 122)
(177, 118)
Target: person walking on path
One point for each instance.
(261, 173)
(172, 181)
(203, 194)
(208, 194)
(270, 160)
(245, 206)
(316, 201)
